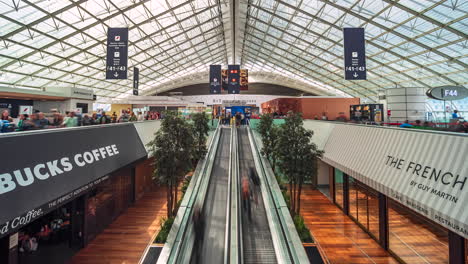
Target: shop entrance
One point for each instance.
(53, 238)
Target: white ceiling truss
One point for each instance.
(295, 43)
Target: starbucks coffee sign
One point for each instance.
(448, 93)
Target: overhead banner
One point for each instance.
(244, 79)
(38, 181)
(233, 79)
(354, 54)
(224, 77)
(117, 53)
(136, 80)
(215, 79)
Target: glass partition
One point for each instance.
(364, 206)
(416, 239)
(339, 187)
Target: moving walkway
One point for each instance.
(229, 235)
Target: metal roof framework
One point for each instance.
(57, 43)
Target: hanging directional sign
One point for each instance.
(354, 54)
(136, 80)
(448, 93)
(215, 79)
(117, 53)
(233, 79)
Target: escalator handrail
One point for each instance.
(291, 240)
(180, 239)
(235, 239)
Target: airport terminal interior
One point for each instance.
(233, 131)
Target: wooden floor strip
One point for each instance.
(125, 240)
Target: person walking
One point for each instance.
(253, 176)
(199, 228)
(246, 196)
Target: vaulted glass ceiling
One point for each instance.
(61, 43)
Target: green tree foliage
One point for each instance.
(200, 131)
(269, 133)
(297, 157)
(172, 148)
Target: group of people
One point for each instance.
(38, 120)
(240, 118)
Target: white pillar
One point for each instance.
(406, 103)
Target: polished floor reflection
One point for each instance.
(414, 239)
(125, 240)
(341, 239)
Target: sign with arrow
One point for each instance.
(136, 80)
(354, 54)
(117, 53)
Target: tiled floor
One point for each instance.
(124, 241)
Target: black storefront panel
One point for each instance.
(13, 105)
(45, 170)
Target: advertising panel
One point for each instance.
(136, 80)
(233, 79)
(244, 79)
(117, 53)
(224, 77)
(57, 172)
(354, 54)
(215, 79)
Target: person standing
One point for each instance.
(41, 122)
(114, 117)
(6, 116)
(133, 117)
(104, 119)
(71, 121)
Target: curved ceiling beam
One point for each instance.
(254, 77)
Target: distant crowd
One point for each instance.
(38, 120)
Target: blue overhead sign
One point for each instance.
(117, 53)
(233, 79)
(354, 54)
(215, 79)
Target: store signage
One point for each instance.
(215, 79)
(117, 53)
(136, 80)
(425, 172)
(233, 79)
(81, 93)
(5, 105)
(448, 93)
(25, 109)
(354, 54)
(47, 172)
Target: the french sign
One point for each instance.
(425, 172)
(354, 54)
(448, 93)
(117, 53)
(215, 79)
